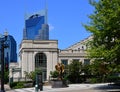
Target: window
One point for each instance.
(64, 61)
(40, 60)
(86, 61)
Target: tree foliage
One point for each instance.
(75, 69)
(32, 75)
(105, 28)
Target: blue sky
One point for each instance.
(65, 18)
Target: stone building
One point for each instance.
(42, 54)
(76, 52)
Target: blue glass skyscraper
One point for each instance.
(11, 51)
(36, 27)
(10, 54)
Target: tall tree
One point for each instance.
(105, 28)
(75, 69)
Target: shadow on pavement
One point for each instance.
(109, 88)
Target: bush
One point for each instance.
(16, 85)
(93, 80)
(13, 84)
(19, 85)
(54, 74)
(113, 78)
(75, 78)
(65, 77)
(96, 80)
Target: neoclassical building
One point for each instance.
(37, 51)
(42, 54)
(76, 52)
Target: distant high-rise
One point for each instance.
(10, 54)
(36, 27)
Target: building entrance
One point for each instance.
(41, 63)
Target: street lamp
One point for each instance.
(3, 45)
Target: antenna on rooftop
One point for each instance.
(6, 32)
(46, 12)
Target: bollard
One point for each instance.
(41, 86)
(36, 83)
(36, 88)
(40, 82)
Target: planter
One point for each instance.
(58, 84)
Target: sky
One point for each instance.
(65, 18)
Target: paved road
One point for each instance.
(58, 90)
(74, 88)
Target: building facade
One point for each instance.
(38, 54)
(76, 52)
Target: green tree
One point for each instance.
(32, 75)
(105, 28)
(75, 69)
(86, 69)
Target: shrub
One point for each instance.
(113, 78)
(13, 84)
(93, 80)
(96, 80)
(75, 78)
(54, 74)
(17, 85)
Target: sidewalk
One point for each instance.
(104, 87)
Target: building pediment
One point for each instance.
(80, 45)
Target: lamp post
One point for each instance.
(3, 45)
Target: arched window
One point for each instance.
(41, 63)
(40, 60)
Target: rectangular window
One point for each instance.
(86, 61)
(64, 61)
